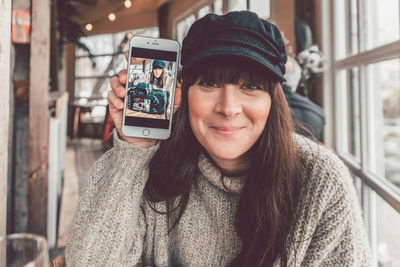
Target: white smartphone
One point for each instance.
(149, 101)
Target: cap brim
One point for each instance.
(244, 53)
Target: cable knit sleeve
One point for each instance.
(337, 233)
(109, 226)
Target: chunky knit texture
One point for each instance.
(115, 226)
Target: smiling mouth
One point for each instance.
(226, 131)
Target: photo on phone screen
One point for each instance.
(150, 88)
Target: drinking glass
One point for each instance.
(24, 250)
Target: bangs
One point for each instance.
(219, 70)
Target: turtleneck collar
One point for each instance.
(230, 184)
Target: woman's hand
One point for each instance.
(116, 106)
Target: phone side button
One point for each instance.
(146, 132)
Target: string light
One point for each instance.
(89, 27)
(128, 3)
(111, 16)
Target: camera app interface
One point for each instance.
(151, 80)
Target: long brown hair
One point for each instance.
(267, 204)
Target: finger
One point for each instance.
(116, 116)
(122, 75)
(127, 55)
(117, 87)
(115, 100)
(178, 95)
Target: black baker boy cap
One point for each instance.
(240, 33)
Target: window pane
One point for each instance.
(381, 22)
(183, 27)
(91, 87)
(98, 45)
(237, 5)
(120, 63)
(388, 234)
(118, 39)
(84, 67)
(260, 7)
(346, 33)
(203, 11)
(217, 7)
(97, 113)
(384, 108)
(349, 110)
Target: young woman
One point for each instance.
(233, 185)
(157, 78)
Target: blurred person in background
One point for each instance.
(309, 117)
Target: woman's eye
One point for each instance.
(251, 87)
(208, 84)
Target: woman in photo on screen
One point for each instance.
(157, 78)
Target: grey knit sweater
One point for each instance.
(114, 225)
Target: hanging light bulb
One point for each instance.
(128, 3)
(89, 27)
(111, 16)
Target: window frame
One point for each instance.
(194, 10)
(371, 185)
(332, 132)
(114, 54)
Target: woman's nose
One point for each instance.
(229, 104)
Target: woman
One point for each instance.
(233, 185)
(157, 78)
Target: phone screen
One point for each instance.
(150, 89)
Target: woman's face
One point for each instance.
(227, 120)
(157, 72)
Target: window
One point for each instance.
(198, 11)
(384, 79)
(92, 72)
(183, 27)
(381, 22)
(262, 8)
(348, 96)
(237, 5)
(108, 50)
(364, 82)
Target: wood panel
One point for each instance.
(69, 65)
(142, 14)
(18, 171)
(163, 20)
(5, 46)
(282, 13)
(20, 175)
(39, 116)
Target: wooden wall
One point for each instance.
(17, 208)
(39, 116)
(126, 22)
(5, 85)
(282, 13)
